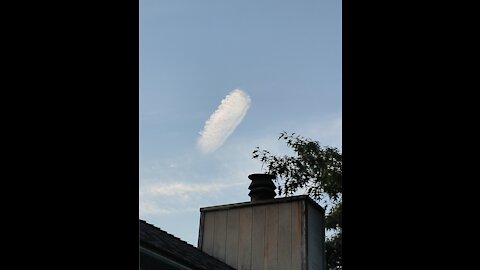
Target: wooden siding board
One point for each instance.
(271, 238)
(284, 236)
(200, 231)
(220, 235)
(258, 237)
(208, 233)
(245, 239)
(231, 254)
(315, 239)
(298, 236)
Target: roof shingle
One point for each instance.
(174, 248)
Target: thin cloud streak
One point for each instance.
(174, 197)
(148, 208)
(223, 121)
(181, 189)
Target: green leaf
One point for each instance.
(317, 169)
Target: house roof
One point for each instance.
(174, 248)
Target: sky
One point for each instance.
(219, 78)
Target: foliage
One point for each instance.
(333, 254)
(318, 171)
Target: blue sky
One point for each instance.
(284, 56)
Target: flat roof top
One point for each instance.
(262, 202)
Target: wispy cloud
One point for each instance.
(184, 189)
(174, 197)
(151, 208)
(223, 121)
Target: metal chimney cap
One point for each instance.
(261, 176)
(262, 187)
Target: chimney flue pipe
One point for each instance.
(262, 187)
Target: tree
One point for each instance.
(317, 171)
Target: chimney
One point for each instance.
(265, 233)
(262, 187)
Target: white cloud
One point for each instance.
(223, 121)
(150, 208)
(164, 198)
(184, 189)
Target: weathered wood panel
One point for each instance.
(220, 235)
(208, 232)
(258, 237)
(200, 230)
(231, 246)
(245, 239)
(271, 238)
(315, 234)
(285, 236)
(298, 236)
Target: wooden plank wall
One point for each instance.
(316, 239)
(244, 258)
(208, 232)
(220, 235)
(285, 238)
(259, 237)
(232, 243)
(271, 238)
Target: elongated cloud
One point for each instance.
(223, 121)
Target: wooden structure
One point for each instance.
(281, 234)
